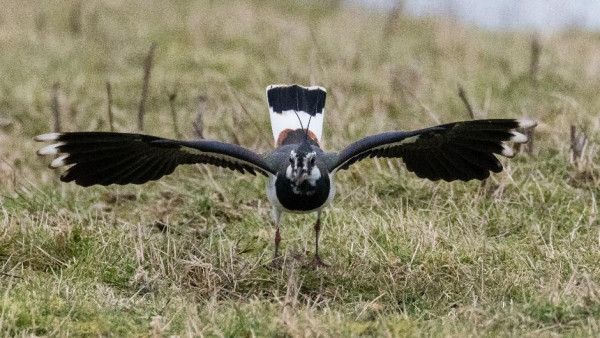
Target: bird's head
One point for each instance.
(302, 167)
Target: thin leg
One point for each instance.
(318, 260)
(276, 213)
(277, 240)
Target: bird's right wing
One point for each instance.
(460, 150)
(117, 158)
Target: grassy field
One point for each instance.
(189, 254)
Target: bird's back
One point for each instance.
(293, 109)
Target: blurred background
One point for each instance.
(386, 65)
(541, 15)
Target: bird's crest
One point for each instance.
(291, 107)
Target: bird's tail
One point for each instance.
(291, 107)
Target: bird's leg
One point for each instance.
(277, 240)
(317, 259)
(276, 213)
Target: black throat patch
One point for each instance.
(309, 198)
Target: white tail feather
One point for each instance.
(292, 106)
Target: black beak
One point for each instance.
(298, 175)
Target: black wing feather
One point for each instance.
(118, 158)
(454, 151)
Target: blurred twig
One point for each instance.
(198, 124)
(109, 106)
(578, 143)
(56, 107)
(529, 144)
(391, 23)
(463, 97)
(40, 23)
(75, 19)
(147, 69)
(172, 97)
(536, 49)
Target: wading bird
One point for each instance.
(300, 175)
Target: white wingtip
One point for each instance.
(518, 137)
(47, 137)
(527, 124)
(59, 162)
(50, 149)
(507, 151)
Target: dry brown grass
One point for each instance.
(189, 254)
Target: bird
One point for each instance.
(300, 174)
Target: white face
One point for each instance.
(302, 168)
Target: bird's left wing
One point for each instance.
(117, 158)
(461, 150)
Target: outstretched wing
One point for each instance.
(116, 158)
(461, 150)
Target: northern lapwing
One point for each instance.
(300, 175)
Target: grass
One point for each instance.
(188, 255)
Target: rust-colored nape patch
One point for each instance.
(290, 136)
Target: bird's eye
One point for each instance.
(291, 160)
(312, 160)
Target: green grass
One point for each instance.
(189, 254)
